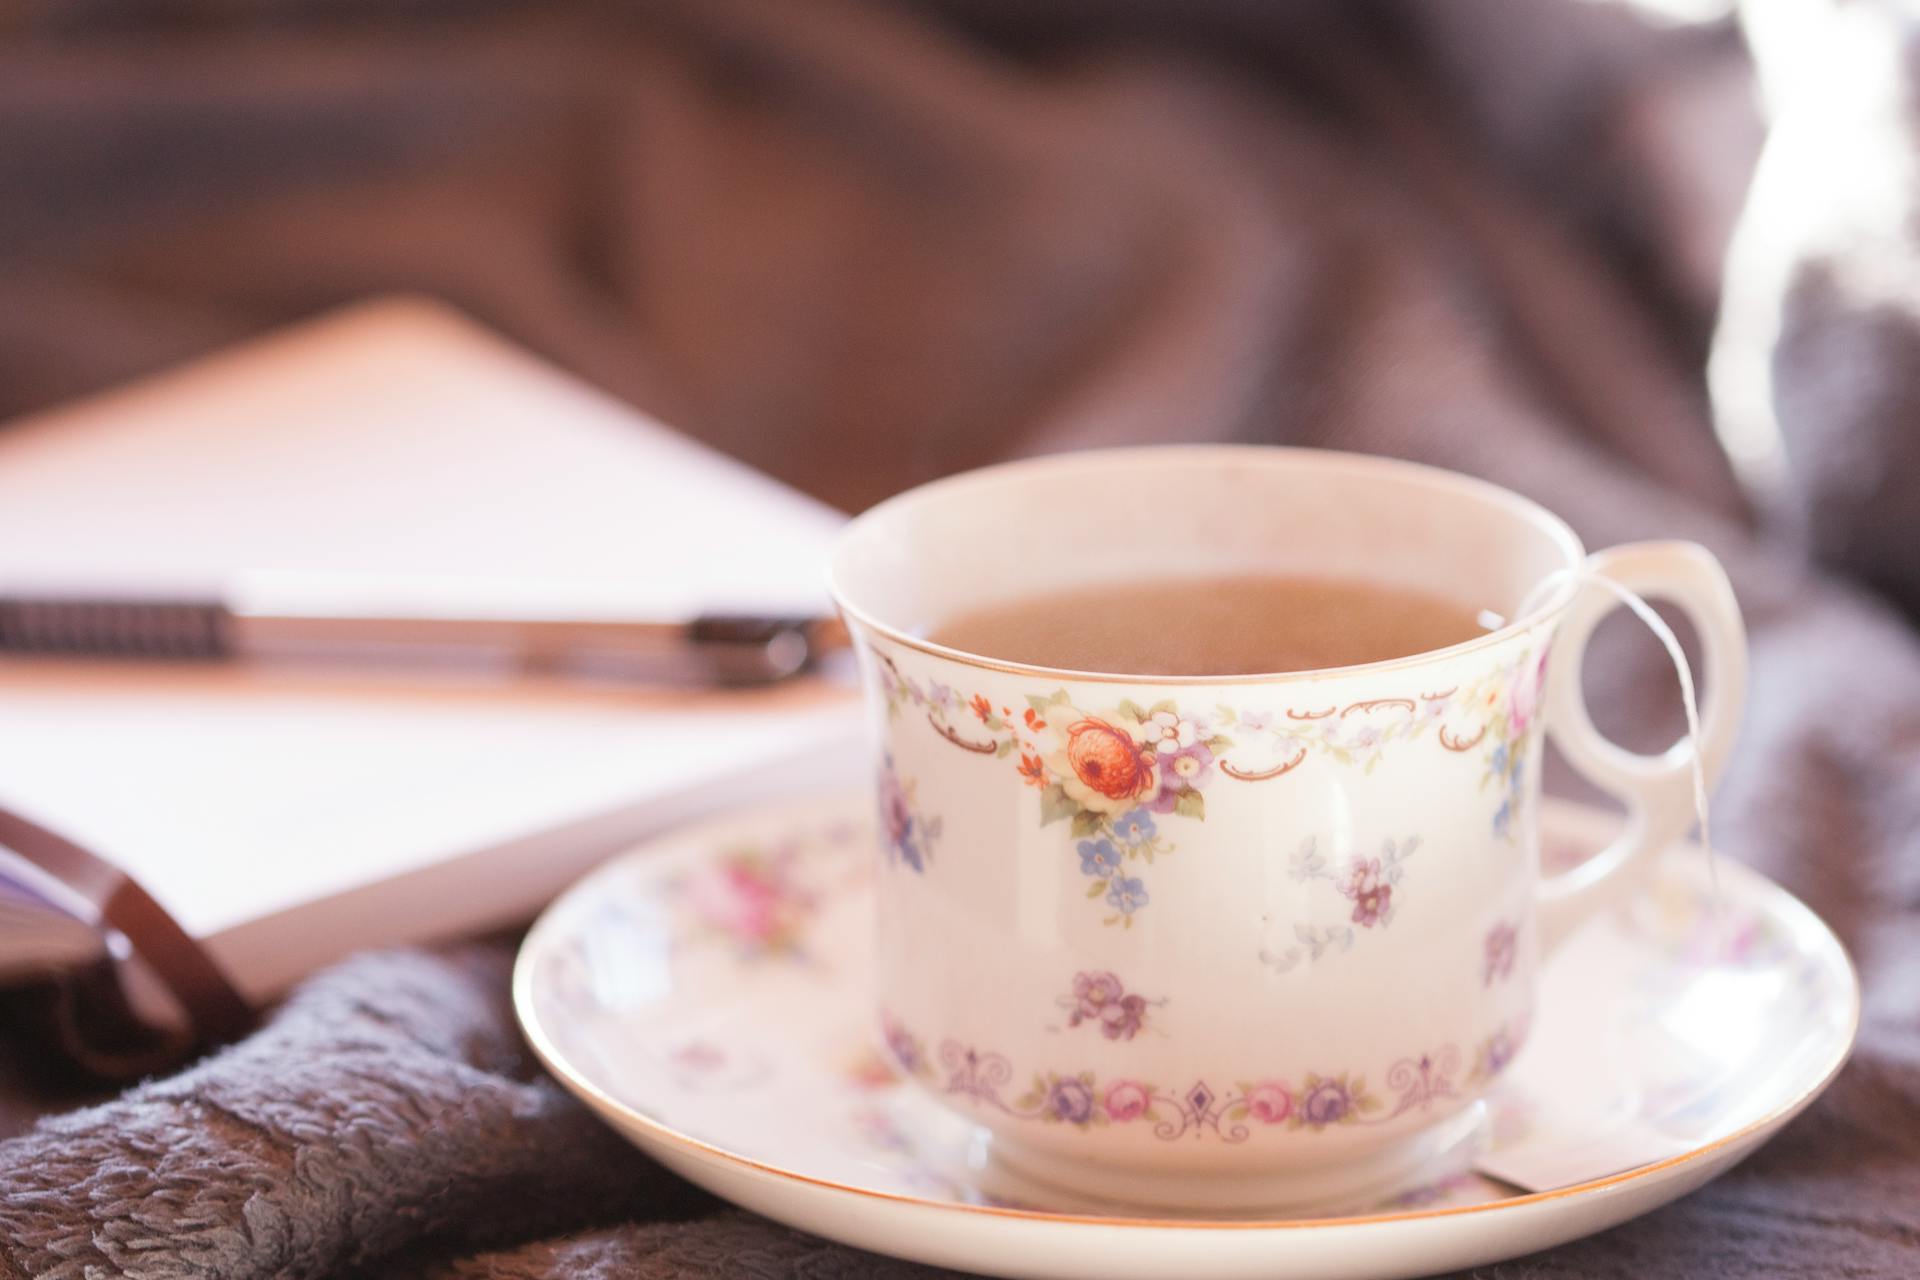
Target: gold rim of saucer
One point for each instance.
(1331, 459)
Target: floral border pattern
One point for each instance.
(1121, 777)
(1313, 1102)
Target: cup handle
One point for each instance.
(1657, 789)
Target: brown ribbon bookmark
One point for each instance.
(95, 1022)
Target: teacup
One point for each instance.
(1282, 969)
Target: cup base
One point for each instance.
(1352, 1185)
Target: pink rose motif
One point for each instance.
(1269, 1102)
(740, 900)
(1372, 897)
(698, 1055)
(1525, 699)
(1126, 1100)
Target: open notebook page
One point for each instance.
(287, 815)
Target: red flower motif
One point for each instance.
(1034, 721)
(1106, 760)
(981, 707)
(1032, 771)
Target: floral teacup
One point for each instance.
(1223, 942)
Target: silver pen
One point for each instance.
(546, 626)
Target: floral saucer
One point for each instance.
(707, 995)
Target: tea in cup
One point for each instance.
(1208, 782)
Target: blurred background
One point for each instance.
(1652, 262)
(1655, 263)
(859, 243)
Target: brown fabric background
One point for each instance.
(863, 244)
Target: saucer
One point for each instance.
(706, 994)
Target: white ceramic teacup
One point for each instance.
(1237, 941)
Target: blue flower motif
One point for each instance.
(1127, 895)
(1135, 827)
(1098, 858)
(1503, 818)
(1500, 758)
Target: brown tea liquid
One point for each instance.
(1242, 625)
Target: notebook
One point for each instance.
(287, 815)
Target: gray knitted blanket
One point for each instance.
(861, 244)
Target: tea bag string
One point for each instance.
(1689, 701)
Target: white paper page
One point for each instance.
(395, 439)
(232, 795)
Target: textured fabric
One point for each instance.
(390, 1106)
(861, 245)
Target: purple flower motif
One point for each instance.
(1092, 993)
(1071, 1100)
(1328, 1102)
(1099, 997)
(1500, 1051)
(1135, 827)
(1371, 895)
(1123, 1019)
(896, 818)
(1098, 858)
(904, 1048)
(1188, 769)
(939, 695)
(1127, 894)
(1501, 946)
(1256, 721)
